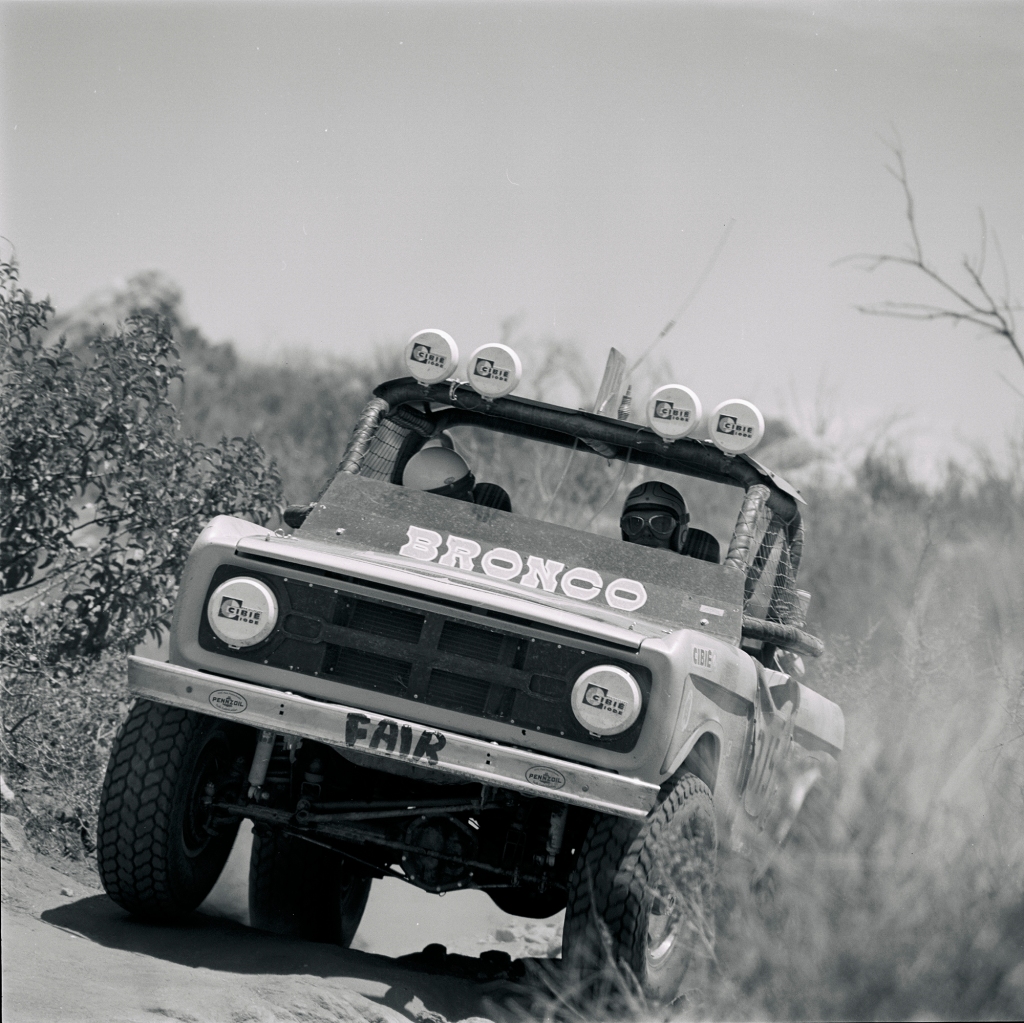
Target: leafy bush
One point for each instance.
(101, 495)
(100, 500)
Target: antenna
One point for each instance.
(689, 298)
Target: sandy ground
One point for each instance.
(69, 953)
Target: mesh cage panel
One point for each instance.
(381, 456)
(770, 591)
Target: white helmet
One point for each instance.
(439, 471)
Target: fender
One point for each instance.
(707, 727)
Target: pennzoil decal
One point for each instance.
(546, 776)
(227, 701)
(528, 570)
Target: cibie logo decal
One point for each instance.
(597, 697)
(666, 410)
(733, 427)
(486, 368)
(545, 776)
(231, 607)
(227, 701)
(531, 571)
(703, 657)
(422, 353)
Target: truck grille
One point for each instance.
(427, 656)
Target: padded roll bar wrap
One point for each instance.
(788, 637)
(796, 542)
(363, 433)
(742, 542)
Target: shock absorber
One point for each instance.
(556, 833)
(260, 762)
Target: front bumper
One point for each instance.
(367, 732)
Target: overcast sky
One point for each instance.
(327, 177)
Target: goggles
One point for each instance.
(660, 524)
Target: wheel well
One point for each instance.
(703, 759)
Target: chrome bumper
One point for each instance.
(366, 732)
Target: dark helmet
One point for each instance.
(439, 470)
(654, 515)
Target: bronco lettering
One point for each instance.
(580, 583)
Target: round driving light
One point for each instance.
(673, 411)
(494, 371)
(431, 356)
(242, 611)
(606, 700)
(736, 426)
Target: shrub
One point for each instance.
(101, 495)
(100, 500)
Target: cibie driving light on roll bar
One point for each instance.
(431, 356)
(736, 426)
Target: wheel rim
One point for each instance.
(678, 898)
(663, 920)
(194, 832)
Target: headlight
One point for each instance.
(606, 699)
(242, 611)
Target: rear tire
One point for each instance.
(303, 890)
(158, 852)
(640, 897)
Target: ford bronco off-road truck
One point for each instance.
(412, 686)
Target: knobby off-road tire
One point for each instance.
(640, 897)
(303, 890)
(155, 854)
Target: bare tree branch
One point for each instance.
(974, 304)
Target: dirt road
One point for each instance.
(69, 953)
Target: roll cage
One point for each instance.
(767, 541)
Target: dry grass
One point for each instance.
(900, 894)
(60, 717)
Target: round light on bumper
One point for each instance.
(242, 611)
(606, 699)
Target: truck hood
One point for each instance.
(436, 542)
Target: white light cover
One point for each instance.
(494, 370)
(736, 426)
(242, 611)
(431, 356)
(673, 411)
(606, 699)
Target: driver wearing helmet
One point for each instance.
(442, 471)
(655, 515)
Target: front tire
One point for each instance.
(303, 890)
(640, 896)
(159, 851)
